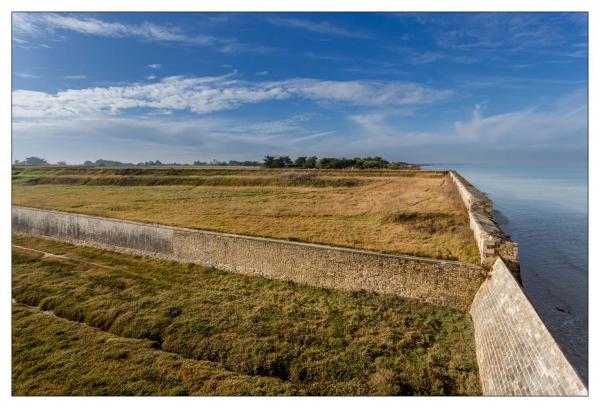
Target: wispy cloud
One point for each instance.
(292, 124)
(74, 77)
(203, 95)
(564, 123)
(27, 75)
(554, 128)
(154, 66)
(419, 57)
(320, 27)
(244, 48)
(262, 73)
(167, 138)
(558, 130)
(38, 24)
(365, 93)
(492, 33)
(44, 24)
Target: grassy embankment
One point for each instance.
(403, 211)
(157, 327)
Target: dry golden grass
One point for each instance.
(406, 212)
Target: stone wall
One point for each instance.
(439, 282)
(491, 240)
(515, 352)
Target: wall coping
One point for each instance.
(491, 240)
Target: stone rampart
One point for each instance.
(515, 352)
(491, 240)
(439, 282)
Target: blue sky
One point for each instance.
(418, 87)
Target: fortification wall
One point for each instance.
(491, 240)
(515, 352)
(439, 282)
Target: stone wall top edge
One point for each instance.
(477, 209)
(264, 239)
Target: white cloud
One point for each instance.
(235, 47)
(365, 93)
(525, 127)
(320, 27)
(154, 66)
(292, 124)
(202, 95)
(26, 75)
(419, 57)
(23, 23)
(151, 77)
(37, 24)
(262, 73)
(49, 24)
(167, 138)
(556, 131)
(561, 125)
(492, 35)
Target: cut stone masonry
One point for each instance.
(491, 240)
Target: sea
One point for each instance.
(545, 210)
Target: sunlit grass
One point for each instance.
(360, 209)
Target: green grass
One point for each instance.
(313, 341)
(283, 180)
(54, 356)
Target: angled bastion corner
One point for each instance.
(516, 353)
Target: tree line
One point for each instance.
(38, 161)
(303, 162)
(313, 162)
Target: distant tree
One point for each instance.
(311, 162)
(243, 163)
(17, 162)
(62, 163)
(285, 161)
(110, 163)
(371, 162)
(269, 161)
(300, 161)
(330, 163)
(35, 161)
(88, 163)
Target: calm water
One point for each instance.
(545, 210)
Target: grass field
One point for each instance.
(402, 211)
(158, 327)
(55, 356)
